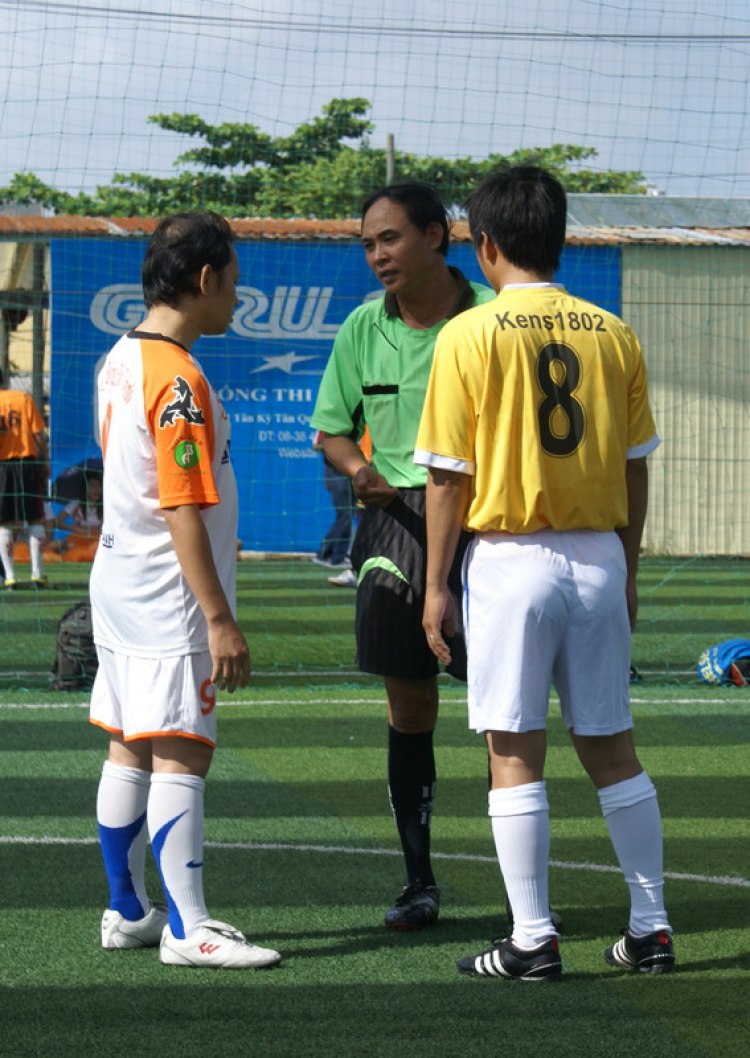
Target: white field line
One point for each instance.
(377, 695)
(345, 850)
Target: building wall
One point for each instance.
(690, 306)
(16, 273)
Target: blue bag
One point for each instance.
(727, 662)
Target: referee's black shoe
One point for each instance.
(418, 906)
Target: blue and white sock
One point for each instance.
(121, 816)
(175, 823)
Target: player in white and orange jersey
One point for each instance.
(535, 429)
(163, 598)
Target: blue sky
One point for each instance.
(659, 86)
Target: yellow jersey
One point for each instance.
(541, 397)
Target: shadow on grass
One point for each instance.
(205, 1013)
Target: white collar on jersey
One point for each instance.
(532, 286)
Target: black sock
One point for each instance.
(411, 785)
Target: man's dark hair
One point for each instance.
(179, 248)
(2, 377)
(421, 205)
(523, 211)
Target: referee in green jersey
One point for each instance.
(377, 376)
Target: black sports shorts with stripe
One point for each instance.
(389, 557)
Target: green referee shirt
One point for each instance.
(377, 375)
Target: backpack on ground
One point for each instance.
(76, 662)
(727, 662)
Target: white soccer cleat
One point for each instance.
(215, 945)
(347, 579)
(119, 932)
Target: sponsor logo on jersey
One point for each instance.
(187, 455)
(183, 407)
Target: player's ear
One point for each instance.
(204, 278)
(487, 248)
(434, 234)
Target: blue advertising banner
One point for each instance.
(265, 370)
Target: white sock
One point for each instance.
(37, 536)
(520, 826)
(121, 815)
(175, 823)
(633, 819)
(6, 552)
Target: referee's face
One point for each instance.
(400, 255)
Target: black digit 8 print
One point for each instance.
(561, 416)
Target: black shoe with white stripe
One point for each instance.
(651, 954)
(542, 963)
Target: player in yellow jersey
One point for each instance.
(535, 430)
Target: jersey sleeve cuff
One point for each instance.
(639, 451)
(431, 459)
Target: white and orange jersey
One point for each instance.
(165, 439)
(20, 422)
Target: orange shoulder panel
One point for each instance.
(177, 400)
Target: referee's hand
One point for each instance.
(370, 487)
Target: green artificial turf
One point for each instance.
(300, 628)
(301, 855)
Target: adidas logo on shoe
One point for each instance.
(650, 954)
(505, 959)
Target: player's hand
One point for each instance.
(230, 655)
(438, 620)
(370, 487)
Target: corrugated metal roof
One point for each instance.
(578, 235)
(657, 211)
(598, 220)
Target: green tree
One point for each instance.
(323, 169)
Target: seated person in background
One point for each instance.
(83, 516)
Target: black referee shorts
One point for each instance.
(389, 556)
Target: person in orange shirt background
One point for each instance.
(24, 474)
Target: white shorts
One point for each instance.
(148, 697)
(547, 608)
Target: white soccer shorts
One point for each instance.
(148, 697)
(542, 609)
